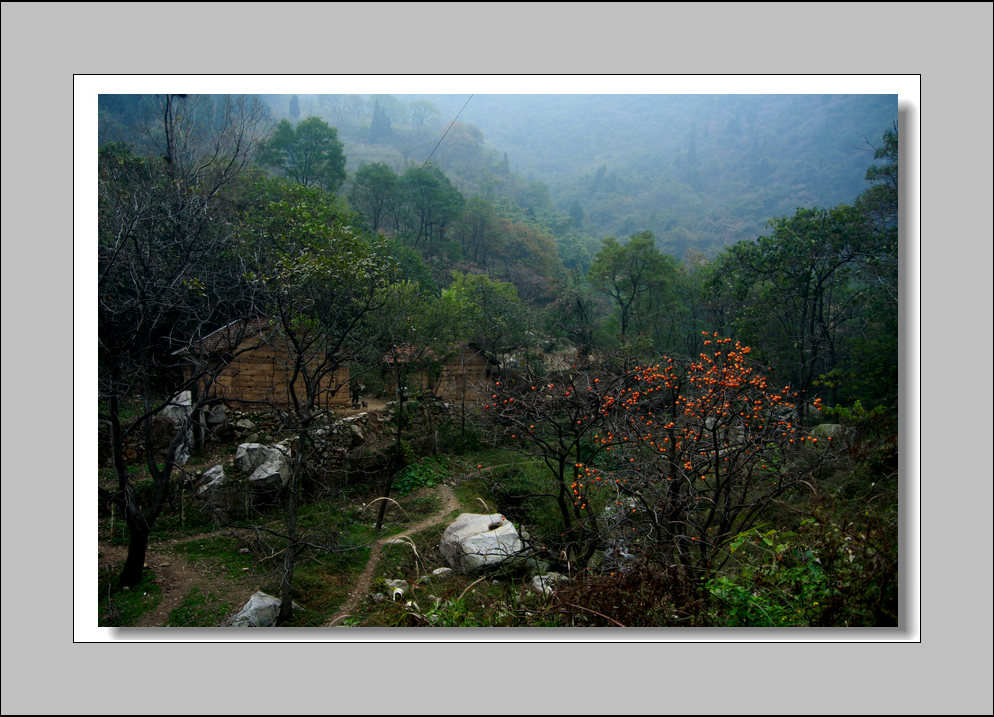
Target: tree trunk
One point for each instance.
(286, 582)
(134, 565)
(397, 462)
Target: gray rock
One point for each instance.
(544, 583)
(213, 478)
(351, 428)
(536, 565)
(183, 453)
(245, 424)
(180, 406)
(216, 415)
(835, 431)
(442, 572)
(475, 541)
(266, 466)
(260, 611)
(248, 456)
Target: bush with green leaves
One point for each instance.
(781, 583)
(836, 570)
(425, 473)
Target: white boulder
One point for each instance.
(475, 541)
(260, 611)
(180, 406)
(266, 466)
(213, 477)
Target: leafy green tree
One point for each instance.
(528, 247)
(320, 284)
(880, 199)
(485, 312)
(374, 194)
(424, 114)
(576, 213)
(635, 276)
(463, 148)
(875, 353)
(318, 280)
(416, 336)
(478, 231)
(430, 204)
(309, 153)
(379, 128)
(880, 204)
(797, 290)
(574, 313)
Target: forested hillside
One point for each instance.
(659, 335)
(699, 171)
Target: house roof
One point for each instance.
(408, 353)
(226, 338)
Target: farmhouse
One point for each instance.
(256, 365)
(460, 375)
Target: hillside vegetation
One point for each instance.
(687, 380)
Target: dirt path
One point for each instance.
(374, 406)
(365, 579)
(176, 575)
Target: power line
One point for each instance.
(446, 132)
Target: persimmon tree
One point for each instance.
(559, 418)
(711, 445)
(677, 458)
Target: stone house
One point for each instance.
(256, 366)
(460, 375)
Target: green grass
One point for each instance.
(421, 506)
(221, 551)
(125, 607)
(323, 579)
(468, 491)
(200, 608)
(320, 590)
(509, 487)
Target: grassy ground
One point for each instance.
(226, 565)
